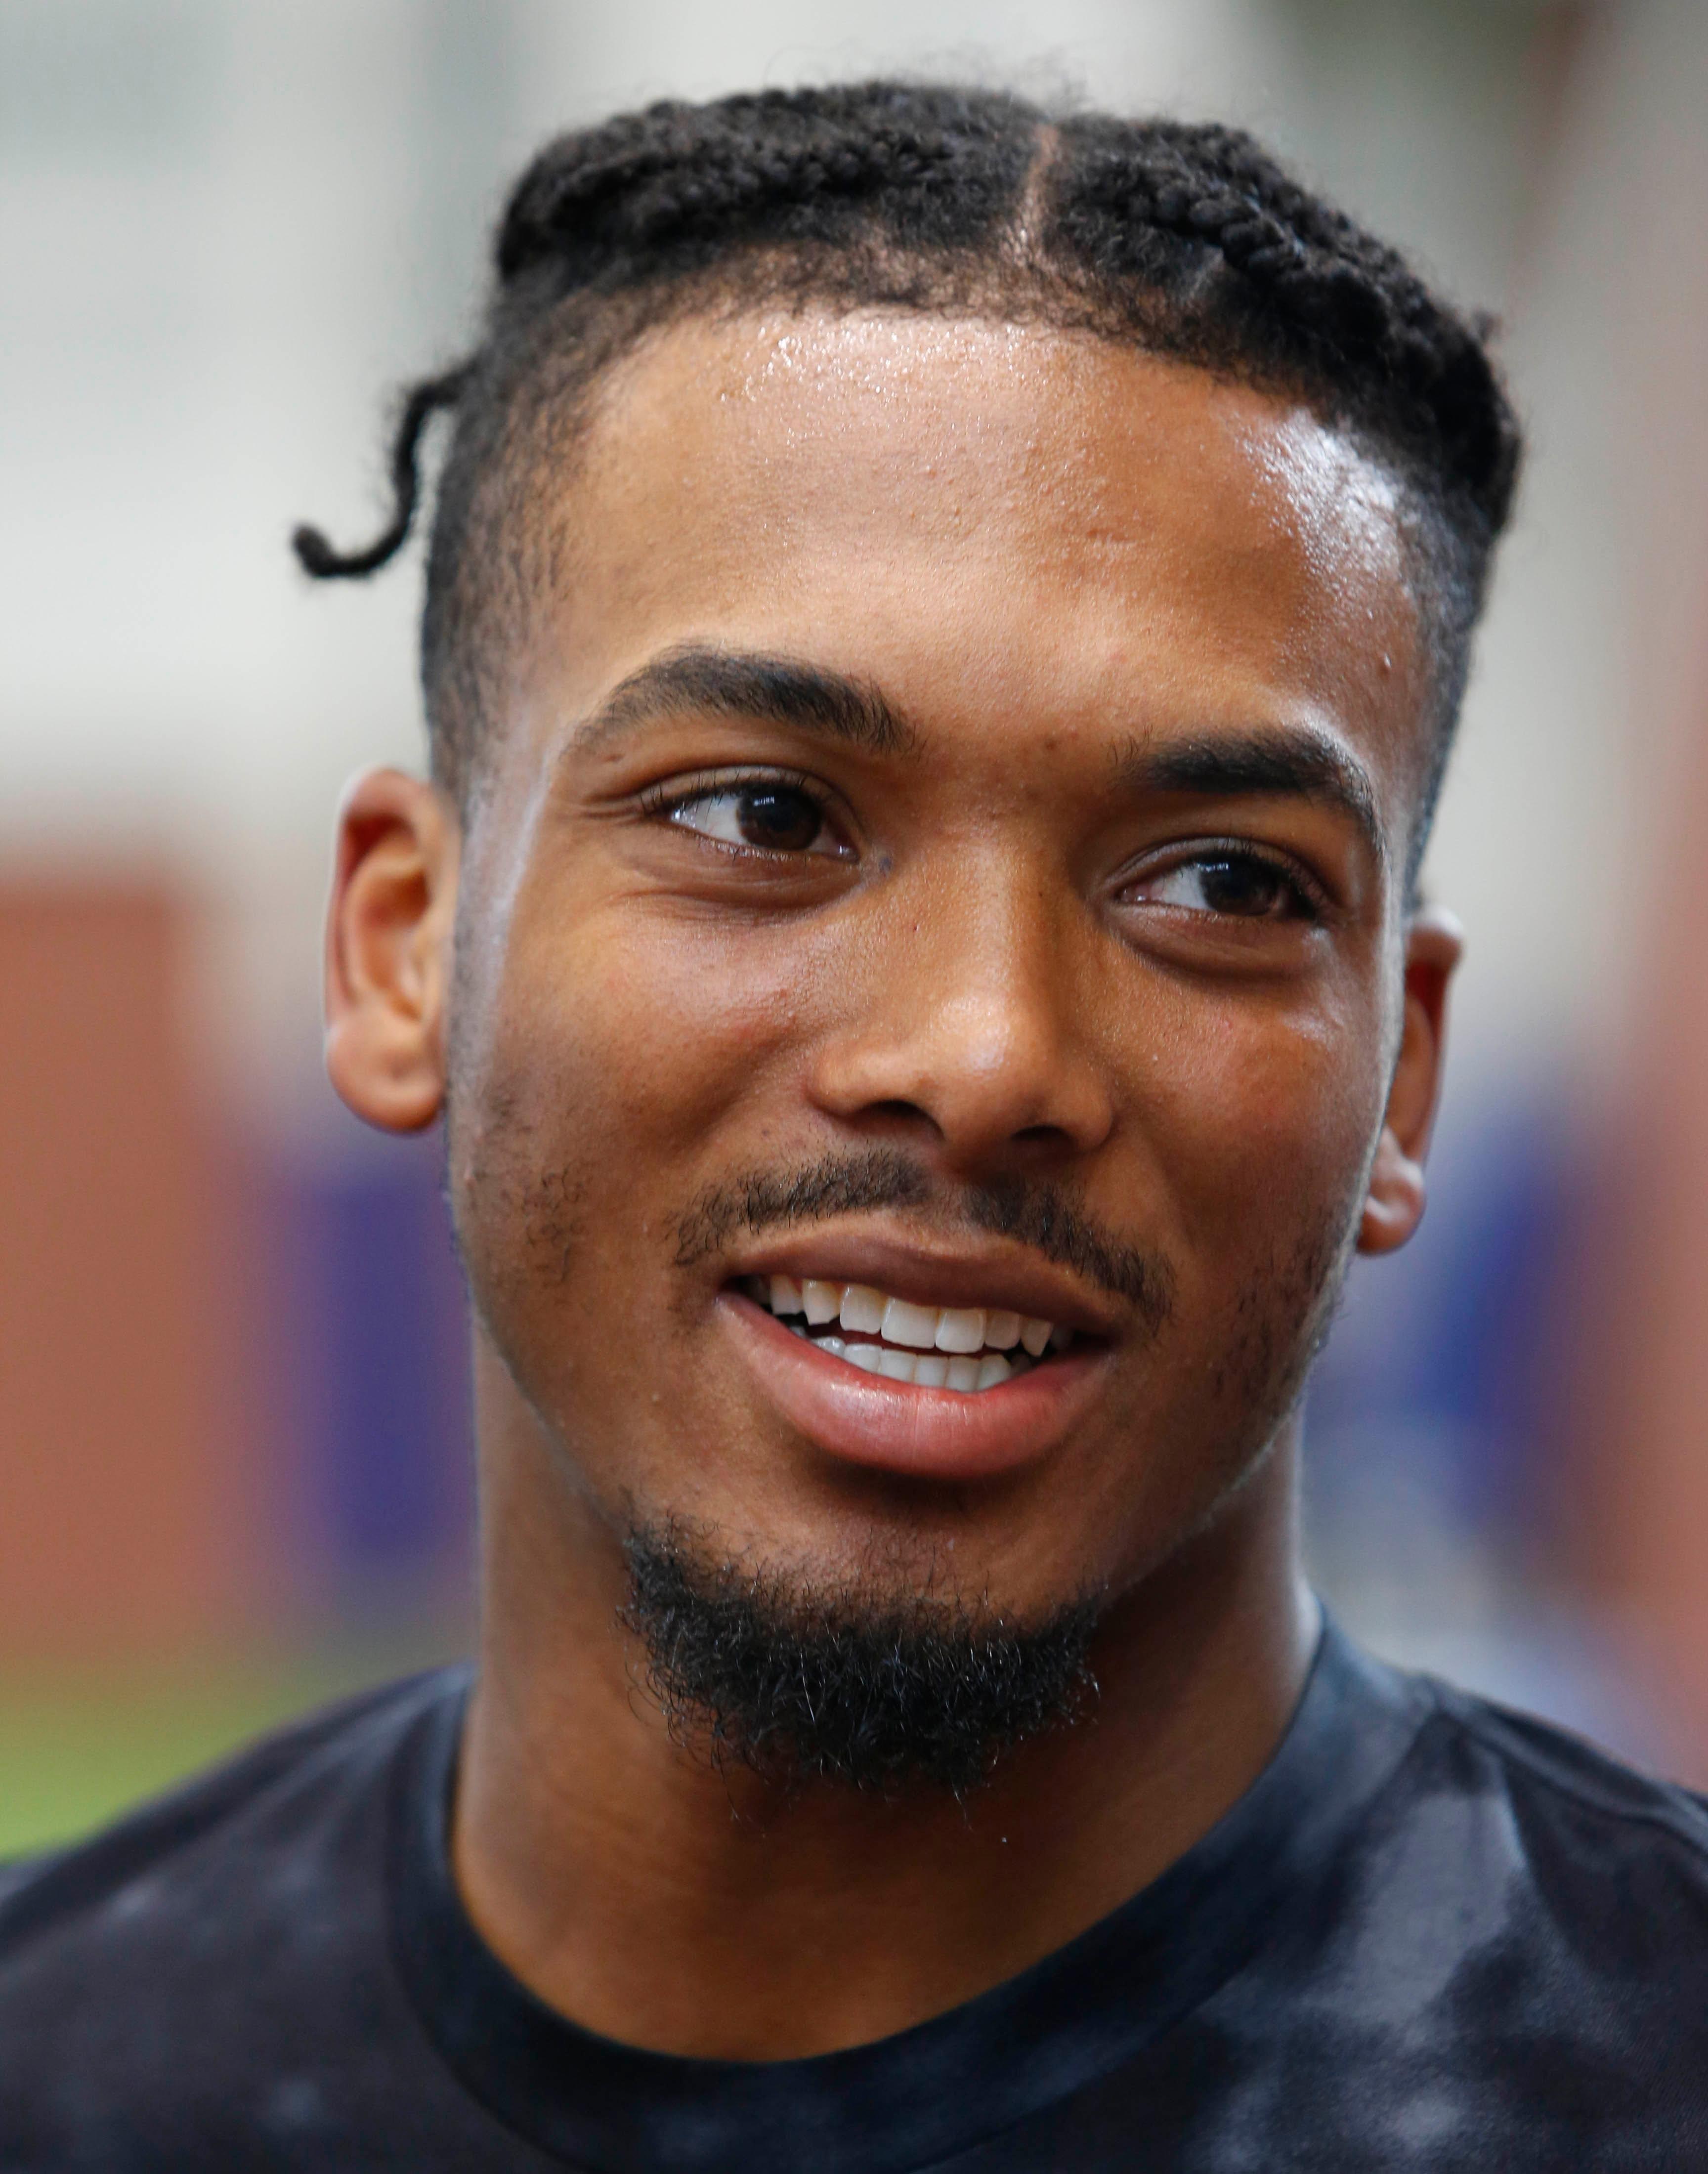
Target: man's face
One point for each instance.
(947, 840)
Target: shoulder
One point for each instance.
(1543, 1877)
(246, 1916)
(243, 1913)
(272, 1795)
(1562, 1785)
(1503, 1963)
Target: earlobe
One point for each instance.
(1393, 1206)
(1394, 1203)
(388, 945)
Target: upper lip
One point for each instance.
(997, 1276)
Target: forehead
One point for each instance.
(971, 512)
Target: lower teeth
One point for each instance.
(929, 1370)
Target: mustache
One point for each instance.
(1039, 1214)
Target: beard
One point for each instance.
(863, 1682)
(802, 1682)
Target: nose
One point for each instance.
(966, 1026)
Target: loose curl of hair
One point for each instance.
(1182, 240)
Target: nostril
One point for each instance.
(906, 1113)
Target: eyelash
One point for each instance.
(1310, 901)
(667, 797)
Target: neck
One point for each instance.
(667, 1904)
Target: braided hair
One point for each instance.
(1183, 240)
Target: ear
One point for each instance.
(1393, 1207)
(388, 950)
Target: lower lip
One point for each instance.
(895, 1426)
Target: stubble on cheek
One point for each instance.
(550, 1208)
(1278, 1321)
(519, 1193)
(521, 1206)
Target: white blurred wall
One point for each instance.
(227, 228)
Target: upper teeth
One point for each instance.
(976, 1337)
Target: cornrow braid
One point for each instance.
(1359, 315)
(1182, 239)
(671, 189)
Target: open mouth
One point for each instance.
(965, 1348)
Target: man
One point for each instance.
(942, 630)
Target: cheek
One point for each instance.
(1259, 1119)
(1264, 1127)
(625, 1045)
(665, 1021)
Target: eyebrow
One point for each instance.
(736, 682)
(1280, 761)
(1271, 760)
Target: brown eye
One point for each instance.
(1244, 887)
(778, 818)
(1239, 886)
(767, 816)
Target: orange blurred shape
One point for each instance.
(116, 1319)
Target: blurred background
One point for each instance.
(234, 1443)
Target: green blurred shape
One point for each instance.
(76, 1751)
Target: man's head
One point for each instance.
(940, 635)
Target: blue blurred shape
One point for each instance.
(1455, 1355)
(377, 1344)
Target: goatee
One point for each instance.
(834, 1683)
